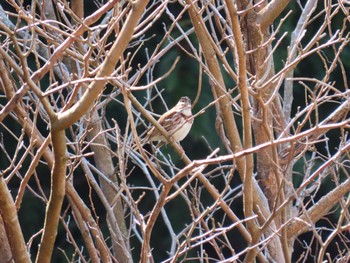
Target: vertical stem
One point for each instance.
(247, 131)
(58, 185)
(14, 234)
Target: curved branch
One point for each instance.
(269, 13)
(67, 118)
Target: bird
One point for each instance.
(177, 122)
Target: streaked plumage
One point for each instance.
(177, 121)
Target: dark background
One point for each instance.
(183, 81)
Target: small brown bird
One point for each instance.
(177, 122)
